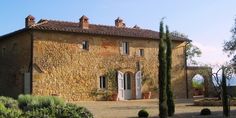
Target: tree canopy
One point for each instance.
(191, 52)
(230, 46)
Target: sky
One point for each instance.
(206, 22)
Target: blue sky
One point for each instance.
(206, 22)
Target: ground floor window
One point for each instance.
(103, 83)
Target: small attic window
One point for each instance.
(85, 45)
(141, 52)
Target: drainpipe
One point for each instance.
(186, 67)
(31, 61)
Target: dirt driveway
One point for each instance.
(129, 109)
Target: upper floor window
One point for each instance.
(141, 52)
(103, 83)
(85, 45)
(3, 51)
(125, 47)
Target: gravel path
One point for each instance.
(129, 109)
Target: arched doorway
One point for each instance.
(127, 86)
(198, 86)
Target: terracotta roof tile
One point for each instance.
(96, 29)
(53, 25)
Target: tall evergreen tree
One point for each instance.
(224, 92)
(170, 100)
(163, 109)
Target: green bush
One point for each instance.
(40, 113)
(29, 103)
(40, 107)
(9, 102)
(67, 111)
(72, 110)
(205, 111)
(24, 102)
(143, 114)
(9, 113)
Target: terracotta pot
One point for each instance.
(114, 97)
(147, 95)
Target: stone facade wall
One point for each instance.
(15, 58)
(178, 70)
(62, 68)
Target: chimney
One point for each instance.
(136, 27)
(119, 23)
(29, 21)
(83, 22)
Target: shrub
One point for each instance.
(143, 114)
(41, 107)
(39, 113)
(72, 110)
(205, 111)
(29, 103)
(9, 102)
(24, 101)
(9, 113)
(67, 111)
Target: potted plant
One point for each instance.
(112, 84)
(150, 86)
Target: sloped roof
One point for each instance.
(95, 29)
(53, 25)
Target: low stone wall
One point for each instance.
(212, 102)
(232, 91)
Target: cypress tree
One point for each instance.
(163, 110)
(170, 100)
(224, 92)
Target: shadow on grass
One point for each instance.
(215, 114)
(133, 107)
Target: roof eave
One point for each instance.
(13, 33)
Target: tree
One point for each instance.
(170, 101)
(218, 78)
(163, 110)
(191, 50)
(224, 94)
(230, 46)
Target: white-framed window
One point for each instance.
(141, 52)
(125, 48)
(85, 45)
(102, 82)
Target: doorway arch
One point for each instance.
(198, 85)
(206, 73)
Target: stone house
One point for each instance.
(70, 59)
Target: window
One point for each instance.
(85, 45)
(141, 52)
(127, 81)
(103, 82)
(125, 46)
(3, 51)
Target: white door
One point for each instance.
(138, 81)
(120, 85)
(127, 86)
(27, 83)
